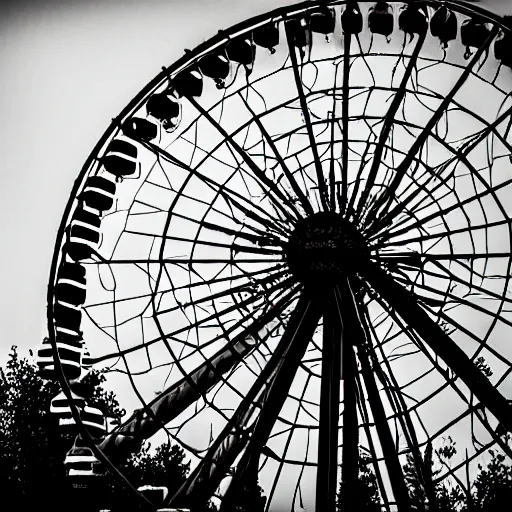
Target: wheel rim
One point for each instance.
(396, 196)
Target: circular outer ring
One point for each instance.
(221, 38)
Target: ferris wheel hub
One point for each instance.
(324, 246)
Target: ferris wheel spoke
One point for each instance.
(299, 331)
(419, 188)
(345, 118)
(451, 381)
(446, 234)
(461, 155)
(402, 168)
(252, 210)
(470, 142)
(234, 248)
(306, 205)
(385, 220)
(322, 187)
(368, 144)
(258, 173)
(281, 287)
(414, 257)
(232, 291)
(422, 205)
(405, 305)
(277, 270)
(258, 237)
(234, 437)
(218, 315)
(332, 178)
(180, 261)
(395, 395)
(450, 275)
(443, 211)
(174, 400)
(284, 284)
(389, 119)
(390, 452)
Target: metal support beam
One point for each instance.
(350, 465)
(389, 191)
(406, 305)
(174, 400)
(389, 119)
(300, 333)
(326, 480)
(204, 480)
(322, 186)
(359, 337)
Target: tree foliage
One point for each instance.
(104, 400)
(33, 449)
(490, 490)
(32, 452)
(250, 499)
(164, 466)
(493, 484)
(367, 492)
(448, 498)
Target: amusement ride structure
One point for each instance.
(299, 236)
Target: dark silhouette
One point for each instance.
(33, 449)
(367, 492)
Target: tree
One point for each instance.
(33, 449)
(104, 400)
(30, 452)
(367, 492)
(165, 467)
(493, 484)
(250, 499)
(448, 498)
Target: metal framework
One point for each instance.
(306, 254)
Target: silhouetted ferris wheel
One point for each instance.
(299, 235)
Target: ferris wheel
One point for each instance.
(299, 237)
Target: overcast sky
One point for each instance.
(67, 67)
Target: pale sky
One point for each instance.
(68, 68)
